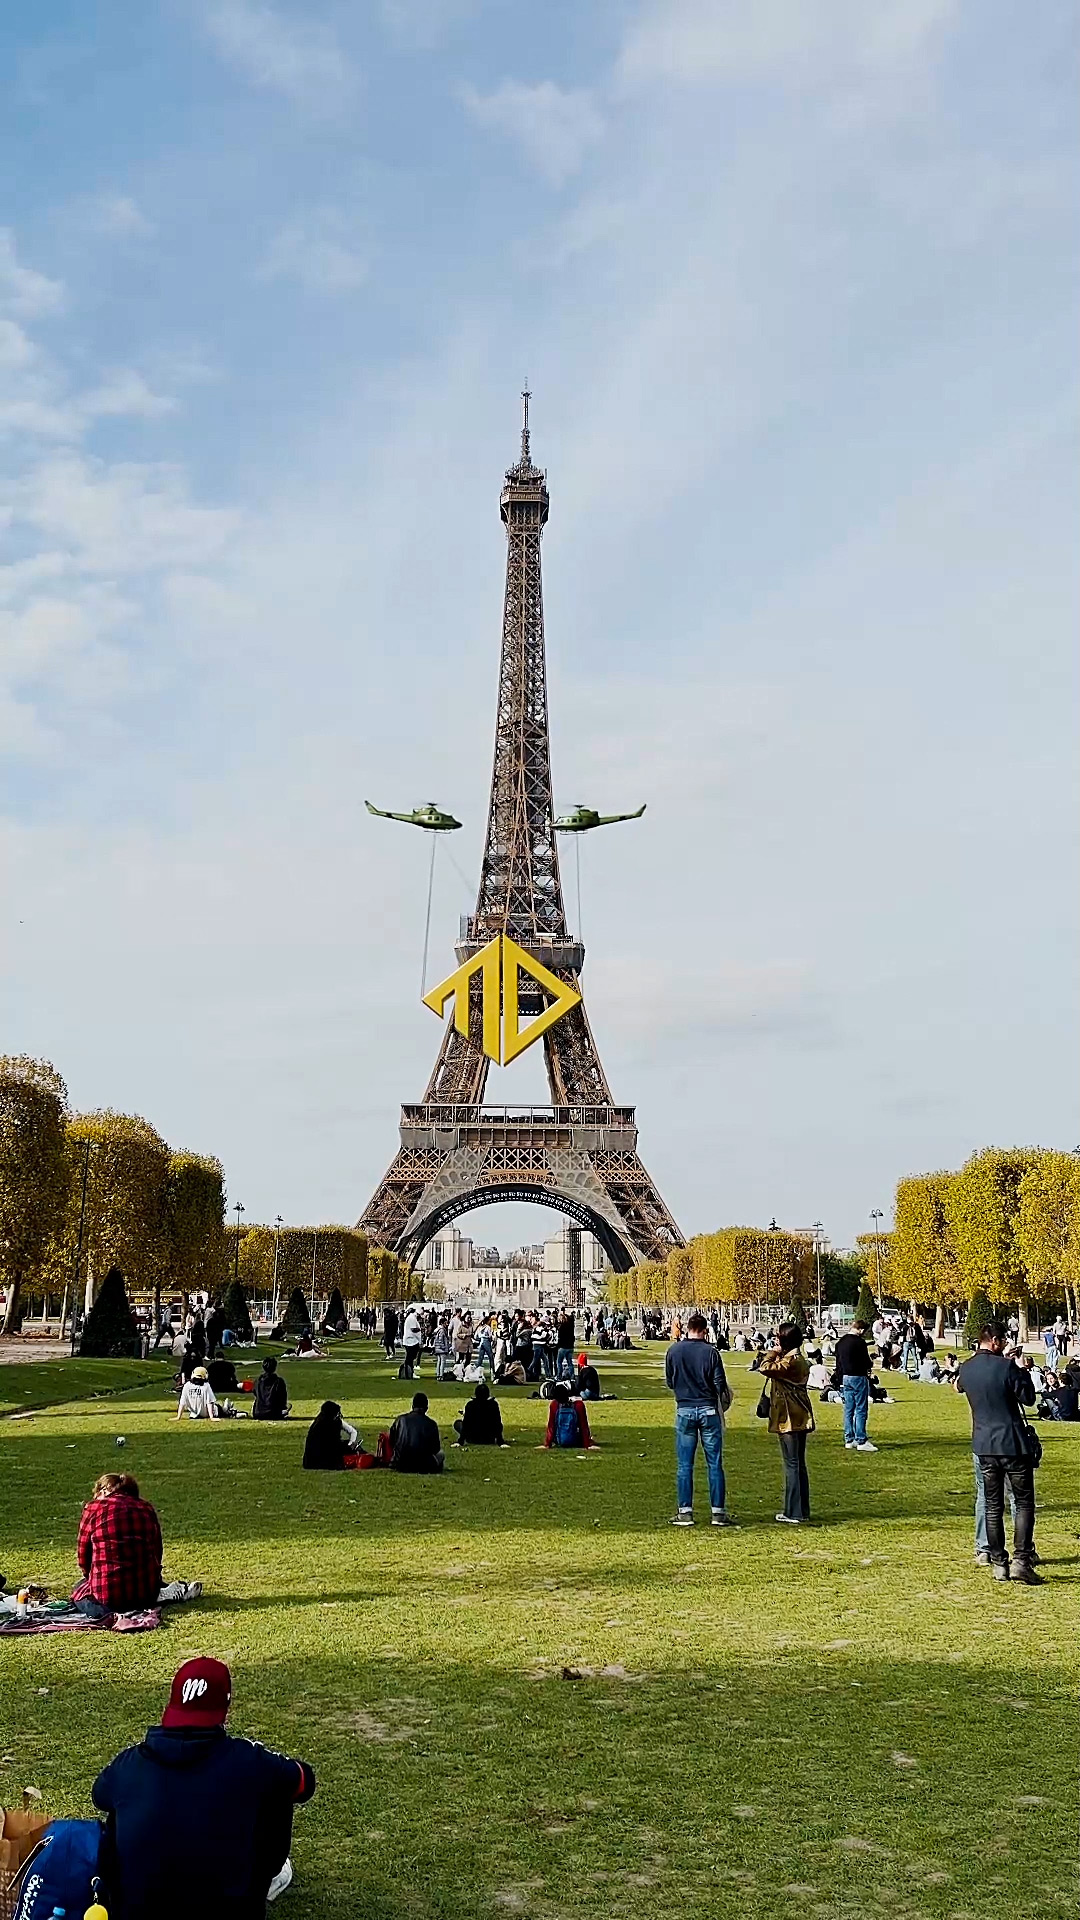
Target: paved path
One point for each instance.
(20, 1349)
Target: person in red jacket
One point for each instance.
(120, 1553)
(563, 1414)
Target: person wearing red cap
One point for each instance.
(189, 1776)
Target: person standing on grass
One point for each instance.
(996, 1389)
(694, 1370)
(412, 1334)
(853, 1369)
(389, 1331)
(564, 1346)
(791, 1417)
(231, 1801)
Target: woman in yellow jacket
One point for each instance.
(791, 1418)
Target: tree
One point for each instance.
(797, 1312)
(110, 1331)
(235, 1310)
(866, 1305)
(194, 1222)
(876, 1251)
(925, 1263)
(842, 1275)
(1048, 1226)
(980, 1314)
(335, 1309)
(984, 1208)
(296, 1319)
(126, 1183)
(34, 1171)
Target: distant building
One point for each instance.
(571, 1266)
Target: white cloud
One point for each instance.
(115, 216)
(320, 250)
(125, 393)
(119, 517)
(705, 41)
(553, 126)
(23, 290)
(297, 57)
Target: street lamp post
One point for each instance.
(238, 1210)
(277, 1237)
(78, 1249)
(877, 1217)
(817, 1263)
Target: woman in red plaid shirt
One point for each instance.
(120, 1553)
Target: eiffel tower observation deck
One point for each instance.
(579, 1155)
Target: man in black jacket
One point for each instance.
(996, 1389)
(415, 1446)
(695, 1373)
(853, 1371)
(231, 1800)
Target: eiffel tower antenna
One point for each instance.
(580, 1154)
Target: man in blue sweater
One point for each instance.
(232, 1801)
(695, 1374)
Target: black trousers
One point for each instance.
(1020, 1475)
(796, 1482)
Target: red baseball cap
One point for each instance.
(200, 1696)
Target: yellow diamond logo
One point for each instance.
(492, 976)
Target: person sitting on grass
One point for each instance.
(568, 1422)
(332, 1443)
(587, 1383)
(481, 1421)
(415, 1446)
(818, 1379)
(222, 1376)
(950, 1370)
(929, 1371)
(271, 1393)
(119, 1553)
(197, 1399)
(307, 1350)
(232, 1798)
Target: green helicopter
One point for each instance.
(584, 819)
(429, 817)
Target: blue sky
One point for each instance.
(794, 287)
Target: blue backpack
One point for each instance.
(61, 1873)
(567, 1431)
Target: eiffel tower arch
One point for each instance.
(579, 1155)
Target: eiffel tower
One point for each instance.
(580, 1154)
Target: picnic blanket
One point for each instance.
(76, 1622)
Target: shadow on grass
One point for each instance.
(452, 1790)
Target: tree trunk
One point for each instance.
(11, 1311)
(88, 1292)
(63, 1310)
(1022, 1315)
(939, 1320)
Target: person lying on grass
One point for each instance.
(197, 1399)
(568, 1422)
(332, 1443)
(271, 1393)
(119, 1553)
(415, 1446)
(481, 1420)
(230, 1800)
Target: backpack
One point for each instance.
(383, 1450)
(567, 1431)
(60, 1874)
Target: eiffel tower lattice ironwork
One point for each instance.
(580, 1154)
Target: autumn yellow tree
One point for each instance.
(125, 1163)
(984, 1206)
(194, 1222)
(34, 1171)
(1048, 1227)
(924, 1263)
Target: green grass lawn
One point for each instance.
(847, 1719)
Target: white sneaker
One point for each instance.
(786, 1520)
(849, 1446)
(280, 1881)
(866, 1446)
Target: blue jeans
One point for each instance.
(982, 1544)
(93, 1609)
(486, 1352)
(692, 1423)
(856, 1389)
(564, 1363)
(547, 1364)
